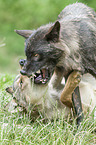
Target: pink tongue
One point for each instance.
(44, 72)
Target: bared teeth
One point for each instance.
(44, 81)
(41, 76)
(38, 71)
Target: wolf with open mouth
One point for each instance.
(68, 44)
(38, 98)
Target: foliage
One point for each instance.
(25, 14)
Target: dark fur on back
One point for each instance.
(69, 43)
(82, 21)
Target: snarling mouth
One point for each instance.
(42, 76)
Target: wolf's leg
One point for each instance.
(76, 100)
(71, 95)
(72, 82)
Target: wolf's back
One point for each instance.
(78, 10)
(78, 32)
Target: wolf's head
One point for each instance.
(41, 48)
(27, 90)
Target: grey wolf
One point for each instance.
(69, 43)
(66, 45)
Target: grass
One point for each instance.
(16, 129)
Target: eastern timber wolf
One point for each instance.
(68, 44)
(44, 99)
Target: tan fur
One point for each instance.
(72, 82)
(34, 97)
(45, 99)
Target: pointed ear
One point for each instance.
(9, 90)
(53, 34)
(24, 33)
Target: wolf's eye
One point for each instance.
(36, 57)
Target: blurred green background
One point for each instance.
(25, 14)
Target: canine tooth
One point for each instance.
(38, 71)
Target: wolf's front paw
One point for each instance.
(72, 82)
(74, 79)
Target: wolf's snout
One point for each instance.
(22, 62)
(23, 72)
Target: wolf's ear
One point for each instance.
(9, 90)
(53, 34)
(24, 33)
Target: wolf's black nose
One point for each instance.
(23, 72)
(22, 62)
